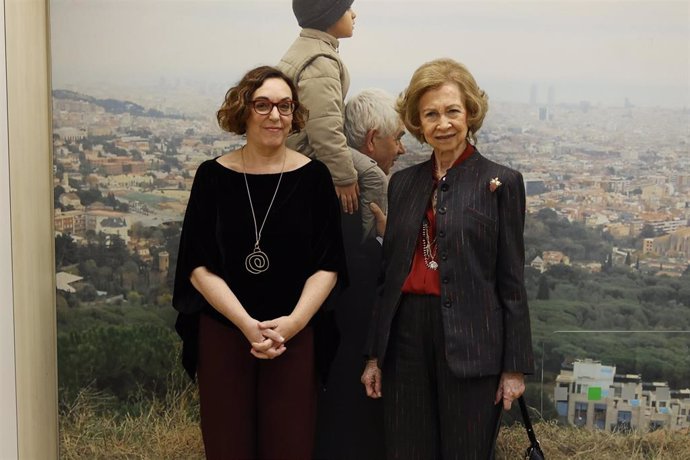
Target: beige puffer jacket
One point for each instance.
(322, 81)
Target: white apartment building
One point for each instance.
(592, 395)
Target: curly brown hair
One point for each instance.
(234, 112)
(433, 74)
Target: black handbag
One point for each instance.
(534, 451)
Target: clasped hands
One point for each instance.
(268, 338)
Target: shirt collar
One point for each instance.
(469, 150)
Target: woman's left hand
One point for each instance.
(510, 388)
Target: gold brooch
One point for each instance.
(494, 184)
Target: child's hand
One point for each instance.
(349, 197)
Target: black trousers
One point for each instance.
(349, 424)
(429, 413)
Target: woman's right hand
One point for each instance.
(262, 346)
(371, 378)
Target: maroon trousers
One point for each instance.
(253, 408)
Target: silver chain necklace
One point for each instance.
(428, 247)
(257, 261)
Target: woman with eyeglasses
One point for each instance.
(260, 251)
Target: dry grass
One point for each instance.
(165, 429)
(560, 443)
(169, 429)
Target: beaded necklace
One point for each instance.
(428, 247)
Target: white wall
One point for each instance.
(8, 392)
(28, 380)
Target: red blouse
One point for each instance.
(422, 279)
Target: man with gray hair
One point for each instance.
(350, 425)
(373, 130)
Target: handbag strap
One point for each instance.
(528, 423)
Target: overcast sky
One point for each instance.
(600, 51)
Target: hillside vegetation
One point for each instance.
(123, 394)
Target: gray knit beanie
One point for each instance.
(319, 14)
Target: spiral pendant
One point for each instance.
(257, 261)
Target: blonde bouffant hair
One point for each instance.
(433, 74)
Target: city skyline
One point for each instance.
(601, 52)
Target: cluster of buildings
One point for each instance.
(549, 259)
(590, 394)
(148, 163)
(622, 170)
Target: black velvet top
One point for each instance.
(301, 236)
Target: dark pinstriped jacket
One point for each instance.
(481, 259)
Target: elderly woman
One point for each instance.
(260, 251)
(450, 335)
